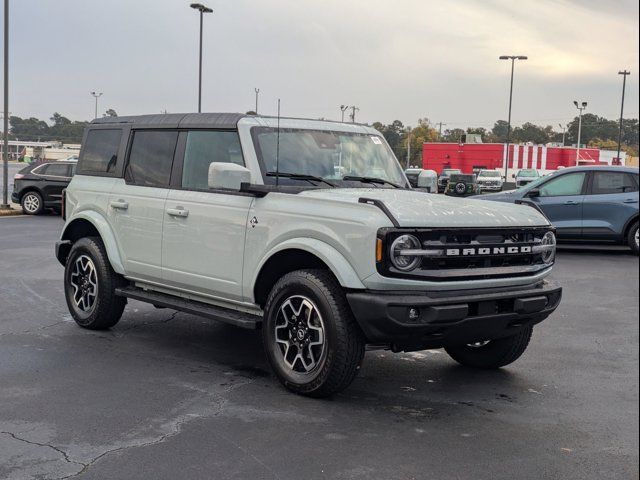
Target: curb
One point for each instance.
(11, 212)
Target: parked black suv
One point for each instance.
(39, 186)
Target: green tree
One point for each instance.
(499, 131)
(529, 132)
(110, 113)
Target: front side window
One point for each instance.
(203, 148)
(151, 158)
(570, 184)
(613, 182)
(330, 155)
(100, 153)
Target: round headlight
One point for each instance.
(549, 247)
(398, 255)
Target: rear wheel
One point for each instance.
(32, 203)
(492, 353)
(90, 285)
(632, 238)
(310, 336)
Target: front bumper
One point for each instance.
(14, 197)
(493, 188)
(443, 319)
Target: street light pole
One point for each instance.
(513, 59)
(96, 95)
(580, 106)
(564, 131)
(409, 147)
(624, 74)
(5, 150)
(202, 9)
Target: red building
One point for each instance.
(473, 156)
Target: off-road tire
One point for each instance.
(632, 238)
(495, 354)
(32, 203)
(107, 307)
(344, 341)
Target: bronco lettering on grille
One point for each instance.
(457, 252)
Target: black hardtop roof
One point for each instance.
(175, 120)
(192, 120)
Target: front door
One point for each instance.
(136, 204)
(56, 177)
(561, 199)
(204, 230)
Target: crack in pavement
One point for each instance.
(46, 445)
(175, 426)
(144, 324)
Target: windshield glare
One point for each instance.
(330, 155)
(528, 173)
(488, 173)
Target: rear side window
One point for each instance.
(100, 153)
(613, 182)
(151, 158)
(204, 147)
(56, 170)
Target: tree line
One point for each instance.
(59, 129)
(597, 132)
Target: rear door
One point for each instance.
(55, 178)
(136, 203)
(612, 199)
(204, 230)
(561, 199)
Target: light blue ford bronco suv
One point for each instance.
(305, 229)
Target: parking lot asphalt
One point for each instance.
(166, 395)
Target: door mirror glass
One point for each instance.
(228, 175)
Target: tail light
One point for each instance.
(63, 207)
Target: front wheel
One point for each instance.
(310, 336)
(89, 286)
(492, 354)
(632, 238)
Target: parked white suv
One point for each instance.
(307, 229)
(490, 180)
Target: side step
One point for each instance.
(227, 315)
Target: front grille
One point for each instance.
(460, 254)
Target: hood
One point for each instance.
(418, 209)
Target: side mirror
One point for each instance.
(534, 192)
(228, 175)
(513, 175)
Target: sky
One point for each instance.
(405, 59)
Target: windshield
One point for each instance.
(489, 173)
(528, 173)
(330, 155)
(450, 171)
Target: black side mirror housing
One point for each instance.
(534, 192)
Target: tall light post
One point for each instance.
(624, 74)
(202, 9)
(343, 108)
(257, 90)
(580, 106)
(409, 147)
(5, 150)
(96, 95)
(564, 131)
(513, 59)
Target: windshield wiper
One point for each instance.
(376, 180)
(300, 176)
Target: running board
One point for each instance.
(227, 315)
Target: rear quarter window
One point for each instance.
(100, 152)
